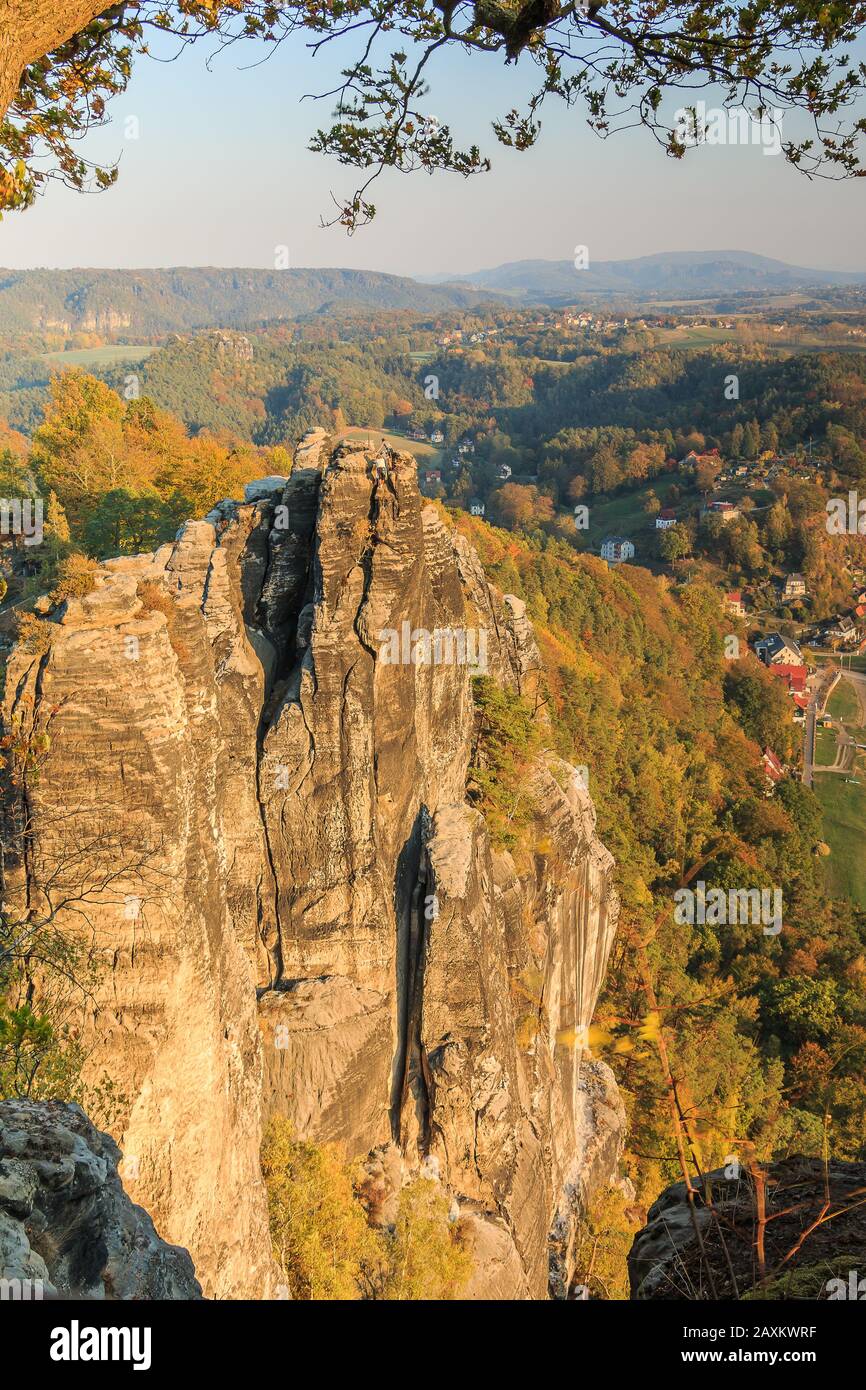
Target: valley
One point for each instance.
(535, 445)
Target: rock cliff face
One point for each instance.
(261, 796)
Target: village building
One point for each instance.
(795, 677)
(840, 632)
(616, 550)
(777, 650)
(734, 603)
(794, 587)
(666, 518)
(726, 511)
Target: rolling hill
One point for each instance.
(678, 273)
(176, 300)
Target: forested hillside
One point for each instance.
(766, 1032)
(557, 404)
(167, 301)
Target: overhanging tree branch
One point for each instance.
(61, 63)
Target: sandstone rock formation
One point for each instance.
(296, 908)
(67, 1228)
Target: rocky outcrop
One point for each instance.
(813, 1237)
(261, 734)
(67, 1228)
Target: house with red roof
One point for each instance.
(793, 676)
(727, 511)
(735, 604)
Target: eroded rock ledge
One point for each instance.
(67, 1228)
(303, 914)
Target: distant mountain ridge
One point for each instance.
(180, 299)
(184, 298)
(679, 273)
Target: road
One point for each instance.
(817, 695)
(809, 743)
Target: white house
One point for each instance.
(616, 549)
(476, 507)
(666, 519)
(794, 587)
(734, 603)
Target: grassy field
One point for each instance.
(99, 357)
(825, 747)
(425, 452)
(625, 516)
(844, 829)
(686, 335)
(699, 335)
(843, 703)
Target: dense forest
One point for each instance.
(549, 403)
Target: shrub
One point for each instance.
(427, 1256)
(318, 1227)
(155, 599)
(603, 1239)
(34, 634)
(76, 577)
(506, 740)
(324, 1244)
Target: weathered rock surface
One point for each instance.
(304, 915)
(67, 1228)
(813, 1238)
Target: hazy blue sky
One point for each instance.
(220, 176)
